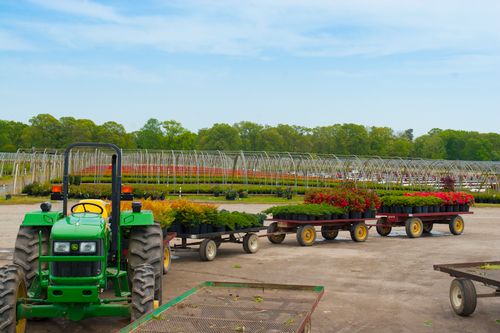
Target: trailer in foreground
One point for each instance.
(218, 307)
(306, 230)
(463, 295)
(421, 223)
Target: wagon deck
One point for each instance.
(218, 307)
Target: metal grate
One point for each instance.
(222, 309)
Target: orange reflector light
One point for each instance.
(126, 189)
(56, 189)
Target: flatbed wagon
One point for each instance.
(208, 243)
(218, 307)
(463, 295)
(306, 230)
(419, 223)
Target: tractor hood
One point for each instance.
(81, 226)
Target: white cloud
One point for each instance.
(257, 28)
(85, 8)
(58, 70)
(10, 42)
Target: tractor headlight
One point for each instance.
(61, 247)
(88, 247)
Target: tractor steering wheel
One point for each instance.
(84, 204)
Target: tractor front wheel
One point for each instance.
(143, 291)
(146, 247)
(26, 251)
(12, 288)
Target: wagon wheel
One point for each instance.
(428, 227)
(275, 239)
(329, 232)
(359, 232)
(457, 225)
(306, 235)
(414, 227)
(251, 243)
(383, 230)
(166, 259)
(208, 250)
(463, 297)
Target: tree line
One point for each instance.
(46, 131)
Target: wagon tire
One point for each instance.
(306, 235)
(457, 225)
(414, 227)
(428, 227)
(167, 259)
(208, 250)
(143, 291)
(463, 297)
(359, 232)
(329, 232)
(275, 239)
(12, 287)
(251, 243)
(383, 230)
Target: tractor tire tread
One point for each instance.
(26, 250)
(143, 291)
(11, 278)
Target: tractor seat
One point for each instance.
(106, 207)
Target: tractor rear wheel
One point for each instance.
(143, 291)
(12, 287)
(26, 251)
(146, 247)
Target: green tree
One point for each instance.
(45, 132)
(270, 139)
(219, 137)
(430, 146)
(150, 136)
(249, 134)
(77, 130)
(113, 132)
(177, 137)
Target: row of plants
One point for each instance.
(187, 217)
(159, 191)
(427, 202)
(350, 198)
(186, 180)
(307, 212)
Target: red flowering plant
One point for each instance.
(348, 197)
(449, 198)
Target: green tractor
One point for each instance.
(87, 261)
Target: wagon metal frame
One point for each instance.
(463, 295)
(419, 223)
(306, 232)
(208, 243)
(235, 307)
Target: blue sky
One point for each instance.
(405, 64)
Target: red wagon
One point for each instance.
(306, 230)
(419, 223)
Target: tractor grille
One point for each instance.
(77, 269)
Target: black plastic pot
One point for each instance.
(425, 209)
(407, 210)
(456, 208)
(466, 208)
(417, 209)
(194, 229)
(449, 208)
(355, 215)
(219, 228)
(344, 216)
